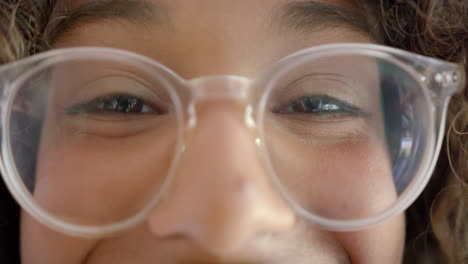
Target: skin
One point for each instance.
(240, 218)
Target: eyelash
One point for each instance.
(323, 106)
(123, 104)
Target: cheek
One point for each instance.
(93, 180)
(346, 179)
(383, 243)
(40, 245)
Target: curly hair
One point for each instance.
(437, 223)
(21, 24)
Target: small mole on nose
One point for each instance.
(243, 185)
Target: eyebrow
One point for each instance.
(303, 17)
(133, 11)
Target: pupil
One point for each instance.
(308, 105)
(121, 104)
(314, 104)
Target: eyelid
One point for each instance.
(115, 82)
(337, 85)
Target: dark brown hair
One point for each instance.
(437, 223)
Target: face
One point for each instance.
(220, 206)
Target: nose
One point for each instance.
(221, 196)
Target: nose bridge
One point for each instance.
(221, 195)
(217, 87)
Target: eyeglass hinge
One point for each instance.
(445, 83)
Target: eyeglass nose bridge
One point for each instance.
(216, 87)
(219, 87)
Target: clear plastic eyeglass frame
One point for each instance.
(439, 79)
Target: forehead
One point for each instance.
(295, 14)
(346, 3)
(209, 33)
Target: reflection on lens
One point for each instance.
(342, 134)
(94, 143)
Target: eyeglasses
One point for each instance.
(349, 134)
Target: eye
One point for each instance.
(115, 104)
(319, 106)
